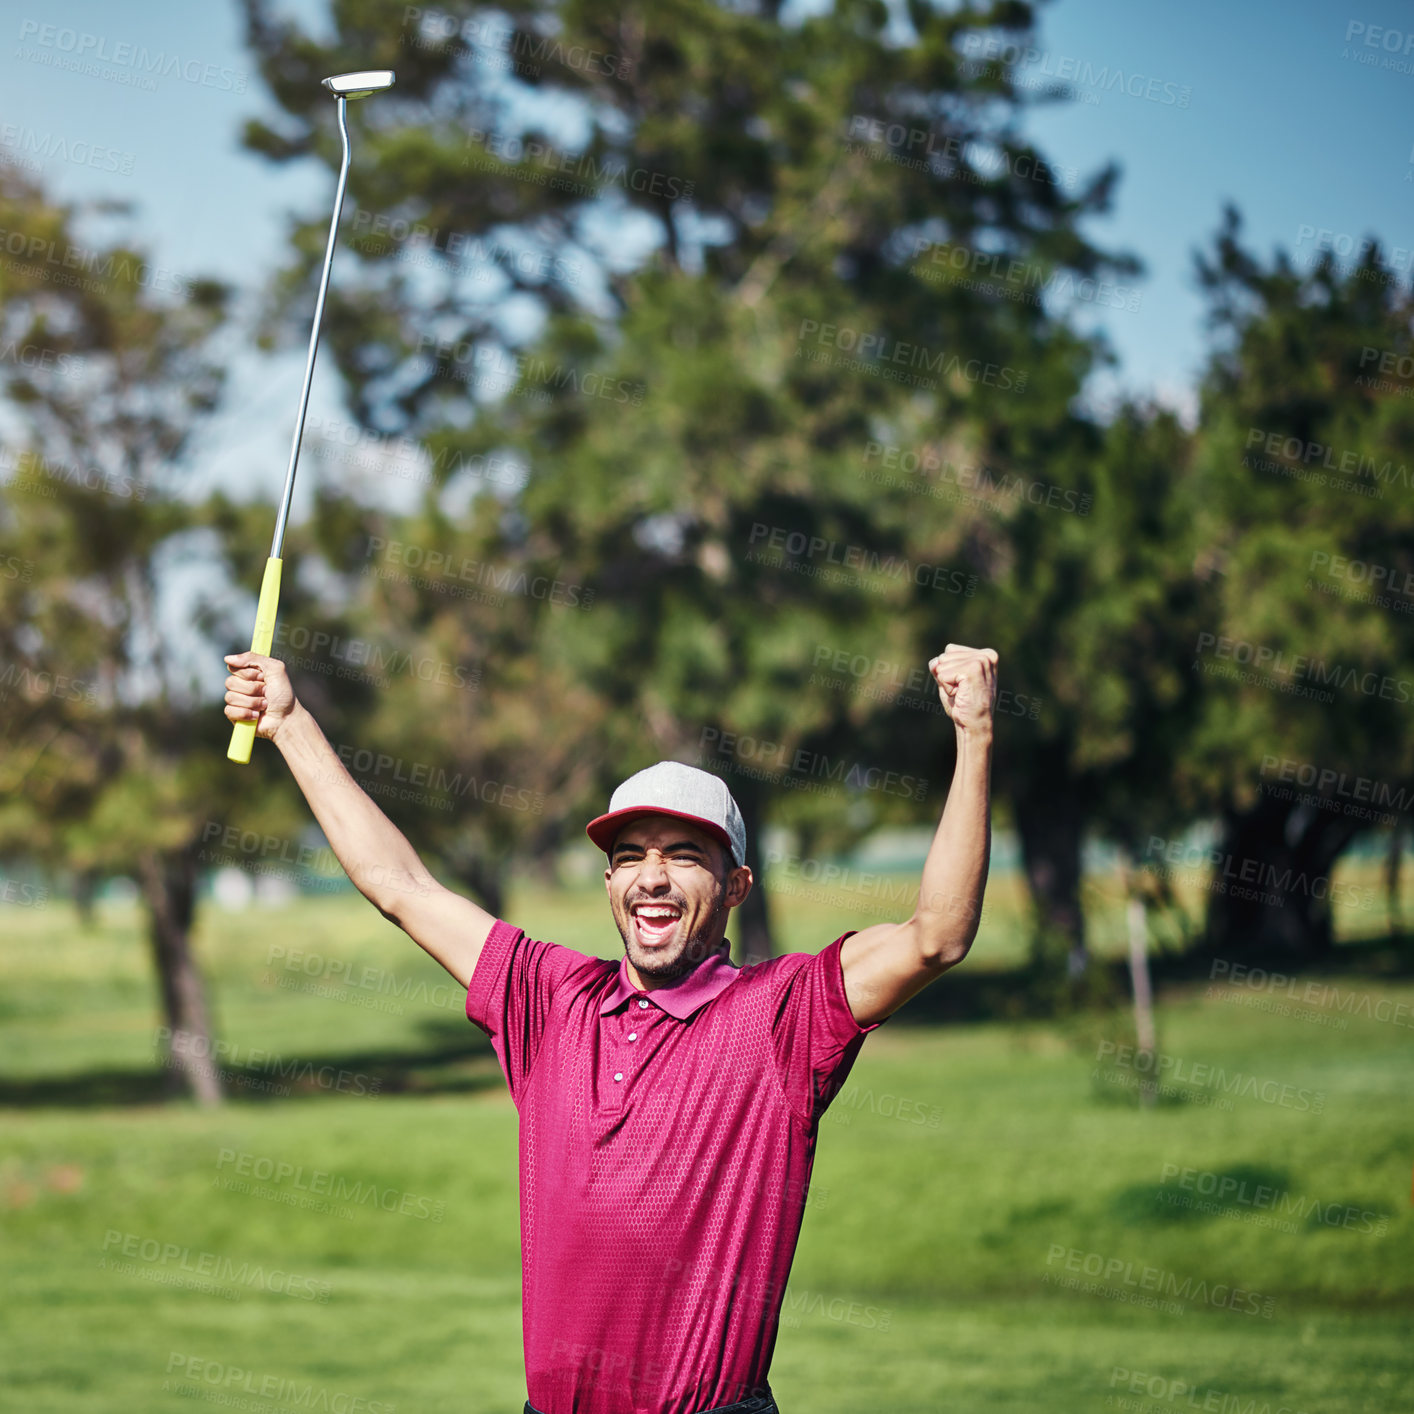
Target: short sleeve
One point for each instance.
(815, 1034)
(510, 994)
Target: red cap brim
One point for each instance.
(603, 829)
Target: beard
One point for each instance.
(665, 964)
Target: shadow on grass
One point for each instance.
(1027, 994)
(1248, 1193)
(1238, 1189)
(456, 1058)
(452, 1062)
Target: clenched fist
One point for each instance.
(967, 685)
(258, 687)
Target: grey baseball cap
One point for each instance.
(670, 788)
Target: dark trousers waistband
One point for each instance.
(757, 1404)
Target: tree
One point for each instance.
(1302, 503)
(802, 188)
(111, 758)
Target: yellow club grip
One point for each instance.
(243, 733)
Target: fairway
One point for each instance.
(346, 1228)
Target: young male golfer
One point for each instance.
(670, 1102)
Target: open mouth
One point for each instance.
(655, 923)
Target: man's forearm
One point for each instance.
(375, 854)
(955, 872)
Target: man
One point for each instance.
(669, 1103)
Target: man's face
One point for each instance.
(671, 886)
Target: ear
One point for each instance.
(739, 883)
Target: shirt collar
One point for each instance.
(682, 998)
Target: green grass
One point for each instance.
(927, 1235)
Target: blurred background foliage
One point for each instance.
(678, 486)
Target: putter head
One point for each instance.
(359, 85)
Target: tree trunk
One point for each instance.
(1282, 854)
(1394, 856)
(1145, 1033)
(85, 890)
(485, 876)
(168, 884)
(753, 919)
(1050, 823)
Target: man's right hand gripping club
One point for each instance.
(258, 690)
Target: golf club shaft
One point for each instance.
(243, 733)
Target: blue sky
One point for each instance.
(1282, 118)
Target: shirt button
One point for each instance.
(643, 1001)
(633, 1035)
(619, 1076)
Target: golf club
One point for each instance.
(343, 87)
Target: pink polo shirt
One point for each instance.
(666, 1143)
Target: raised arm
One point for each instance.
(375, 854)
(888, 963)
